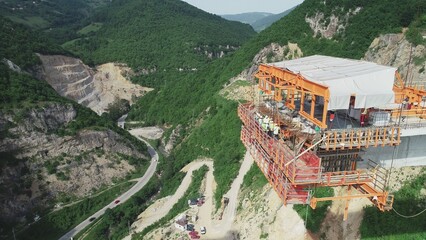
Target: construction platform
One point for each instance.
(298, 150)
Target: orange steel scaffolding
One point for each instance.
(288, 86)
(281, 81)
(292, 173)
(293, 169)
(411, 94)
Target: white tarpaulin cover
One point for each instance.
(370, 83)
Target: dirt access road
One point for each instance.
(215, 229)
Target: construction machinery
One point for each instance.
(225, 202)
(315, 116)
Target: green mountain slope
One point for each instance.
(44, 14)
(352, 42)
(44, 138)
(19, 44)
(157, 36)
(60, 19)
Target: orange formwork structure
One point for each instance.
(291, 176)
(307, 151)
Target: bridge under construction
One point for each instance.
(316, 115)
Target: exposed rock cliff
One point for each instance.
(239, 90)
(12, 66)
(328, 26)
(93, 88)
(395, 50)
(41, 165)
(271, 53)
(171, 141)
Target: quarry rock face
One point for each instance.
(93, 88)
(394, 50)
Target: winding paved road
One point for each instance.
(124, 197)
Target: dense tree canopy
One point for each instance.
(164, 35)
(19, 44)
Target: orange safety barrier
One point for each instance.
(361, 137)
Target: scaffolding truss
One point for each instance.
(292, 174)
(295, 160)
(288, 86)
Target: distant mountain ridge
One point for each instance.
(249, 18)
(267, 21)
(258, 20)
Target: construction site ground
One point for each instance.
(215, 229)
(286, 222)
(148, 132)
(207, 215)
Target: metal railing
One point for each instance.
(361, 137)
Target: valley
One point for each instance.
(172, 76)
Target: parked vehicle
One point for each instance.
(190, 227)
(203, 230)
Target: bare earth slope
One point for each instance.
(93, 88)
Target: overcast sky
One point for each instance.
(241, 6)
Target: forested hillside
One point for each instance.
(44, 14)
(354, 36)
(46, 140)
(172, 37)
(158, 38)
(60, 19)
(19, 44)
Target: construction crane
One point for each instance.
(314, 117)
